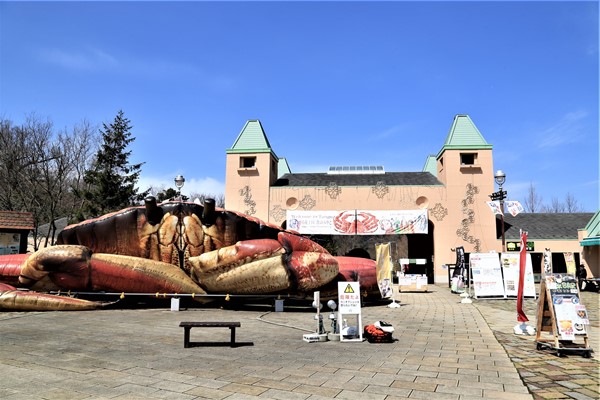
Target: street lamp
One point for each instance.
(179, 181)
(500, 178)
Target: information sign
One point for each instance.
(487, 275)
(571, 315)
(349, 316)
(510, 269)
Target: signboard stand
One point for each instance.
(412, 283)
(349, 314)
(561, 319)
(510, 271)
(486, 276)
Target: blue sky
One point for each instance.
(333, 83)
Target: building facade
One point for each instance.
(452, 191)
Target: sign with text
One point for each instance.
(349, 315)
(486, 274)
(358, 222)
(510, 269)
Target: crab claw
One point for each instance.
(265, 266)
(353, 269)
(13, 299)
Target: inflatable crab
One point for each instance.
(177, 248)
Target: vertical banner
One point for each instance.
(546, 263)
(384, 270)
(458, 276)
(570, 261)
(521, 317)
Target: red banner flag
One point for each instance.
(521, 317)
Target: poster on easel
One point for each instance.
(486, 275)
(510, 271)
(571, 316)
(561, 318)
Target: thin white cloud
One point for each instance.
(567, 130)
(389, 132)
(91, 59)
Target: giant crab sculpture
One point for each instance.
(178, 248)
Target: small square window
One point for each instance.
(247, 162)
(468, 158)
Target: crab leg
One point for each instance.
(265, 266)
(13, 299)
(76, 268)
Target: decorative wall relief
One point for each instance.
(380, 189)
(251, 204)
(439, 211)
(277, 213)
(307, 203)
(463, 231)
(333, 190)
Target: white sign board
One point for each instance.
(486, 275)
(510, 269)
(349, 315)
(358, 222)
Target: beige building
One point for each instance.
(452, 191)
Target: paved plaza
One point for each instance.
(443, 350)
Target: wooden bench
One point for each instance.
(187, 326)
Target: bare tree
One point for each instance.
(533, 201)
(571, 204)
(556, 206)
(218, 198)
(38, 167)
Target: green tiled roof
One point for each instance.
(593, 231)
(464, 135)
(430, 165)
(283, 168)
(252, 139)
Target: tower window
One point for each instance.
(468, 158)
(247, 162)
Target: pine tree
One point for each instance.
(111, 182)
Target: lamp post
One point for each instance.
(179, 181)
(500, 178)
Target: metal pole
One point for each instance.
(502, 218)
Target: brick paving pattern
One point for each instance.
(444, 350)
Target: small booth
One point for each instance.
(14, 230)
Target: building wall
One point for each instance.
(457, 209)
(247, 188)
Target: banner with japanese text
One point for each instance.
(384, 269)
(358, 222)
(511, 270)
(486, 274)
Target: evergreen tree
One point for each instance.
(111, 181)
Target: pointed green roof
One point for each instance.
(593, 231)
(464, 135)
(430, 165)
(252, 139)
(283, 168)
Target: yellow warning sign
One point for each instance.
(349, 289)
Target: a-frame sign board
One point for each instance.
(561, 319)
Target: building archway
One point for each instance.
(421, 247)
(358, 253)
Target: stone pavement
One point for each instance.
(444, 350)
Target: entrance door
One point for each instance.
(421, 246)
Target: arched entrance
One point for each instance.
(421, 247)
